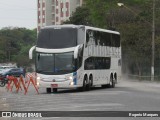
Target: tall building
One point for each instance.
(55, 12)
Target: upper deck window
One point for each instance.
(56, 38)
(101, 38)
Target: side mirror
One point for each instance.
(76, 52)
(31, 52)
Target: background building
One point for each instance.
(54, 12)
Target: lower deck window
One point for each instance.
(92, 63)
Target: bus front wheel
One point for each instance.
(84, 87)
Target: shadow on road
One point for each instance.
(77, 90)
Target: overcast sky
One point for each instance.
(18, 13)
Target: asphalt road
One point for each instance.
(126, 96)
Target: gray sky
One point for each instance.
(18, 13)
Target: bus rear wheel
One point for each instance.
(48, 90)
(55, 90)
(112, 82)
(90, 84)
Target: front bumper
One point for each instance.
(64, 84)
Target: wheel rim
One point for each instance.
(91, 82)
(2, 84)
(85, 84)
(112, 82)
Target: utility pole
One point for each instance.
(153, 42)
(153, 36)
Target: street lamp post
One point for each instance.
(153, 42)
(122, 5)
(153, 36)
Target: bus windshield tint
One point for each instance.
(53, 38)
(55, 64)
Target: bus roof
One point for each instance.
(79, 26)
(100, 29)
(63, 26)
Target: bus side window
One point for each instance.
(87, 38)
(119, 62)
(90, 38)
(89, 64)
(115, 40)
(38, 57)
(80, 57)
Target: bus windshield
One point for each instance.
(55, 64)
(56, 38)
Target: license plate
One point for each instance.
(54, 85)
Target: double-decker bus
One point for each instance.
(77, 56)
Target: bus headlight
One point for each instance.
(38, 79)
(37, 83)
(71, 83)
(69, 77)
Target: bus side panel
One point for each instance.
(80, 77)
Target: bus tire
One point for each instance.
(104, 86)
(115, 77)
(48, 90)
(55, 90)
(112, 82)
(2, 84)
(90, 84)
(84, 87)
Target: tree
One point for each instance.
(78, 18)
(134, 22)
(15, 44)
